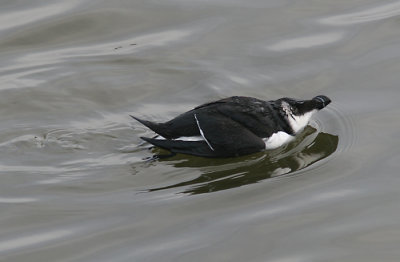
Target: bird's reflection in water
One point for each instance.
(219, 174)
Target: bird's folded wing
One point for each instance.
(223, 137)
(226, 136)
(260, 120)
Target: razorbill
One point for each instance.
(234, 126)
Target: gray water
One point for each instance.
(74, 181)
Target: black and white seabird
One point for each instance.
(234, 126)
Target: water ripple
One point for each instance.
(339, 122)
(8, 200)
(131, 45)
(31, 240)
(372, 14)
(22, 17)
(306, 41)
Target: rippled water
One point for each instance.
(75, 185)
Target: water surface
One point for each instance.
(74, 182)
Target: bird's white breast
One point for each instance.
(299, 122)
(277, 139)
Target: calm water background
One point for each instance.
(73, 182)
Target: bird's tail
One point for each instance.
(156, 127)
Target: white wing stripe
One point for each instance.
(202, 134)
